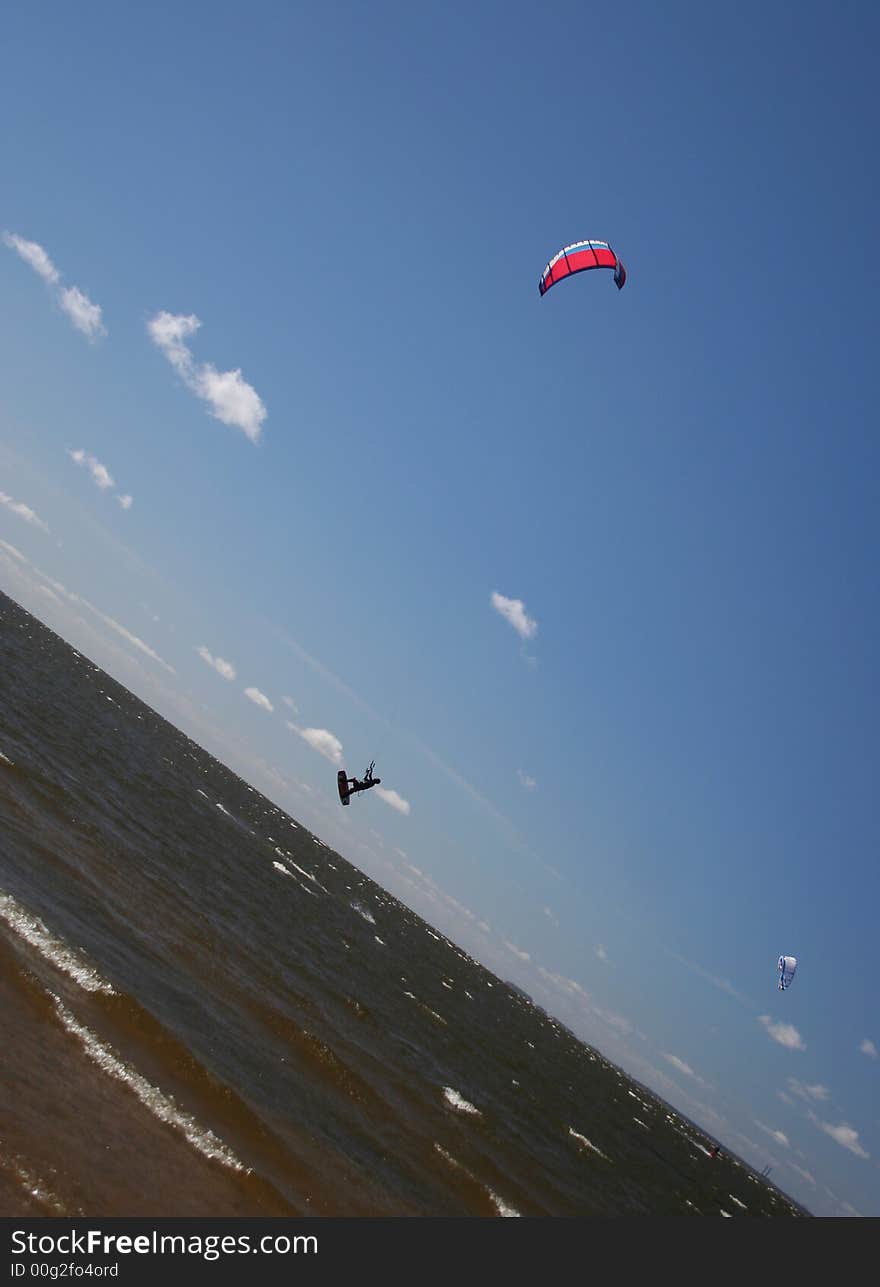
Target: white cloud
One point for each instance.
(35, 255)
(100, 473)
(601, 953)
(679, 1064)
(517, 952)
(843, 1135)
(224, 668)
(569, 986)
(126, 634)
(291, 704)
(801, 1172)
(526, 781)
(785, 1033)
(23, 511)
(320, 740)
(551, 917)
(868, 1048)
(125, 501)
(85, 315)
(779, 1136)
(514, 612)
(722, 984)
(393, 799)
(259, 699)
(817, 1093)
(230, 398)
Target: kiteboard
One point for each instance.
(342, 783)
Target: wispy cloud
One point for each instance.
(259, 699)
(77, 600)
(805, 1175)
(679, 1064)
(320, 740)
(100, 473)
(570, 987)
(224, 668)
(868, 1048)
(291, 704)
(844, 1135)
(514, 612)
(34, 255)
(601, 953)
(23, 511)
(229, 397)
(785, 1033)
(722, 984)
(685, 1068)
(131, 638)
(525, 781)
(812, 1094)
(84, 315)
(779, 1136)
(517, 951)
(393, 799)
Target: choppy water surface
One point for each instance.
(205, 1010)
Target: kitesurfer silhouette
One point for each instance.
(354, 784)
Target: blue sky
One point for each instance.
(592, 577)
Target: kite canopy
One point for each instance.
(577, 259)
(787, 968)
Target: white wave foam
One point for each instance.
(5, 758)
(582, 1139)
(34, 1186)
(159, 1104)
(363, 911)
(503, 1208)
(380, 941)
(457, 1101)
(641, 1123)
(55, 950)
(737, 1201)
